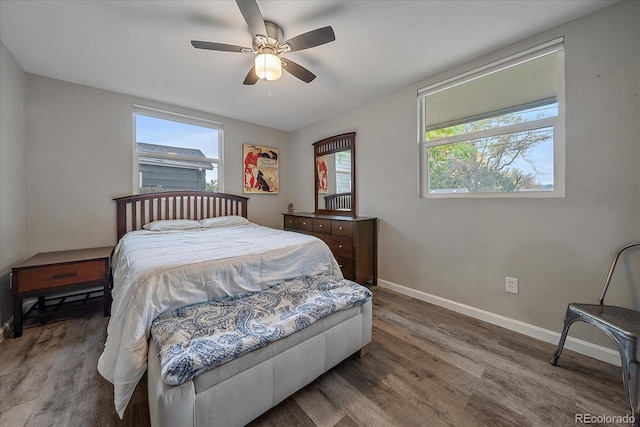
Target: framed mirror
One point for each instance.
(335, 175)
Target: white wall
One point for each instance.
(80, 156)
(12, 174)
(461, 250)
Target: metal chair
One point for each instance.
(622, 325)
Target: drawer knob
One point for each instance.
(304, 223)
(320, 226)
(340, 246)
(341, 228)
(340, 265)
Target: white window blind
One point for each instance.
(528, 78)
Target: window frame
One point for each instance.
(181, 118)
(557, 123)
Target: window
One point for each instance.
(496, 131)
(343, 172)
(177, 152)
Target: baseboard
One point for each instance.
(6, 329)
(580, 346)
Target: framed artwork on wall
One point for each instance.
(321, 167)
(261, 174)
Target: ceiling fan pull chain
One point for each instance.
(269, 83)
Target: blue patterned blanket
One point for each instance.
(198, 337)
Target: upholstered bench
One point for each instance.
(240, 390)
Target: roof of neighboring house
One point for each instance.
(167, 149)
(143, 147)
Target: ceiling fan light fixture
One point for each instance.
(268, 45)
(268, 66)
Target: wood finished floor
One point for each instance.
(427, 366)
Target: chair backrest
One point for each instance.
(613, 266)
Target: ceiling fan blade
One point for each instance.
(297, 70)
(312, 38)
(218, 46)
(251, 13)
(251, 78)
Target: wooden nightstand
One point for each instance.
(59, 272)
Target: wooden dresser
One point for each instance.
(352, 240)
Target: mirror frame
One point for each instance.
(335, 144)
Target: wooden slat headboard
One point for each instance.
(338, 201)
(133, 212)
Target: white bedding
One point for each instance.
(154, 271)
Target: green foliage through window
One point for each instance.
(512, 161)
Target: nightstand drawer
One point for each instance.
(47, 277)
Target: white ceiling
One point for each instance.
(142, 48)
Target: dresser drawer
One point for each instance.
(346, 266)
(322, 226)
(305, 224)
(290, 222)
(47, 277)
(340, 246)
(342, 228)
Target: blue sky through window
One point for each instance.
(176, 134)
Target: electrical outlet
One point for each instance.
(511, 285)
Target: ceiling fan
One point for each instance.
(269, 46)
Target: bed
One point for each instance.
(181, 248)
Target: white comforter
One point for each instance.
(155, 271)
